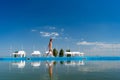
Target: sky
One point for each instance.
(74, 24)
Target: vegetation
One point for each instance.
(61, 62)
(15, 55)
(68, 50)
(55, 52)
(61, 53)
(68, 55)
(54, 63)
(16, 51)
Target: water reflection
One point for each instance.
(50, 68)
(20, 64)
(35, 64)
(74, 63)
(62, 70)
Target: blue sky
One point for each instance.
(33, 22)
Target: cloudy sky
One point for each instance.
(74, 24)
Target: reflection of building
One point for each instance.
(35, 64)
(74, 54)
(74, 63)
(19, 54)
(36, 53)
(20, 64)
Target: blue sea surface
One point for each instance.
(60, 70)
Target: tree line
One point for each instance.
(60, 53)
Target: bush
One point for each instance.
(68, 55)
(55, 52)
(61, 53)
(16, 51)
(68, 50)
(15, 55)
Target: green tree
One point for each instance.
(15, 55)
(68, 55)
(61, 53)
(68, 50)
(55, 52)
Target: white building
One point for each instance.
(36, 53)
(19, 54)
(74, 54)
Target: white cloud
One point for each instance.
(45, 34)
(99, 48)
(50, 27)
(52, 31)
(100, 44)
(87, 43)
(110, 45)
(33, 30)
(49, 34)
(54, 34)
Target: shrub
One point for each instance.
(61, 53)
(55, 52)
(68, 50)
(68, 55)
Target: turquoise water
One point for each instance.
(60, 70)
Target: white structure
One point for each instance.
(74, 54)
(20, 64)
(36, 53)
(19, 54)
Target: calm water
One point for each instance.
(60, 70)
